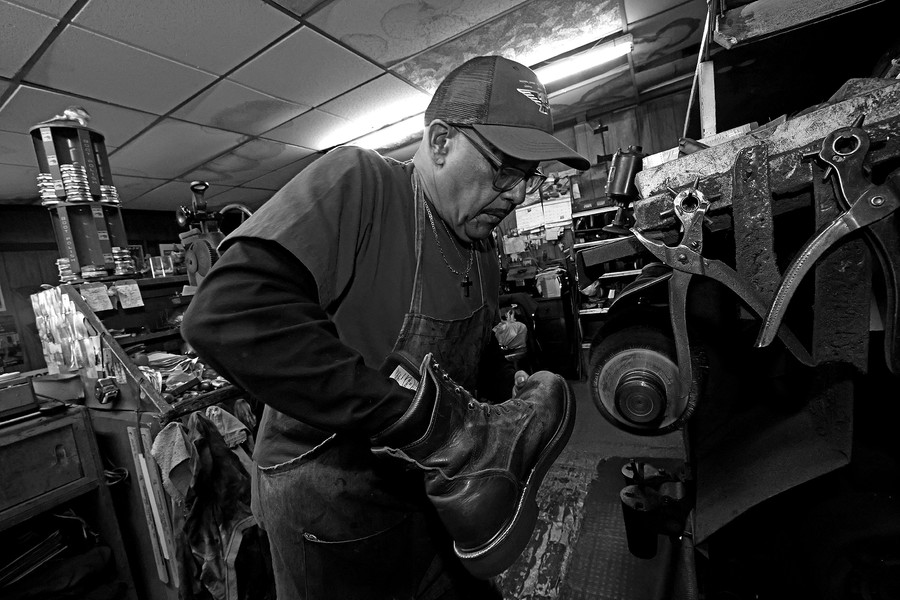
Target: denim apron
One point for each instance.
(344, 524)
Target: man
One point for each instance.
(358, 305)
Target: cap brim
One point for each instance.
(526, 143)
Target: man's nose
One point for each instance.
(516, 195)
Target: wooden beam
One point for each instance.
(767, 17)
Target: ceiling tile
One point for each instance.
(21, 33)
(213, 35)
(251, 197)
(537, 31)
(171, 148)
(19, 183)
(130, 188)
(636, 10)
(666, 35)
(169, 196)
(616, 88)
(17, 149)
(390, 30)
(276, 179)
(229, 105)
(310, 130)
(4, 85)
(29, 106)
(298, 7)
(54, 8)
(97, 67)
(674, 75)
(248, 161)
(380, 102)
(287, 69)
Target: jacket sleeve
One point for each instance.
(256, 320)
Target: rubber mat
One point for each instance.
(601, 567)
(537, 574)
(578, 550)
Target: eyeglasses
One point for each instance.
(505, 177)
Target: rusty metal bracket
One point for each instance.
(843, 283)
(751, 207)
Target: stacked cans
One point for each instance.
(109, 194)
(75, 184)
(65, 270)
(75, 181)
(47, 189)
(93, 271)
(124, 261)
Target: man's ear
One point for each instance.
(439, 134)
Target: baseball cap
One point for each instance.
(505, 103)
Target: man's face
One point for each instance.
(472, 206)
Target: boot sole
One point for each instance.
(504, 548)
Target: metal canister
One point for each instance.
(625, 165)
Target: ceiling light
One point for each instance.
(376, 118)
(586, 60)
(392, 135)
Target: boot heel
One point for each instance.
(502, 551)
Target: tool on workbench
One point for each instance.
(867, 206)
(686, 260)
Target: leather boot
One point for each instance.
(482, 463)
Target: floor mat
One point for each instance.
(579, 550)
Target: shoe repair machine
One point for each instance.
(204, 234)
(791, 232)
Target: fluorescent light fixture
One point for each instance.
(586, 60)
(392, 134)
(378, 117)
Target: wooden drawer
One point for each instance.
(34, 465)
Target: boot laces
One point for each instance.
(460, 390)
(485, 407)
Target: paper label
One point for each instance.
(96, 296)
(405, 378)
(129, 294)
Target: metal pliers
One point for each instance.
(866, 206)
(686, 261)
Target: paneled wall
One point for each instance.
(654, 125)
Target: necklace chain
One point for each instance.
(465, 275)
(441, 249)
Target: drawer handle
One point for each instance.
(62, 454)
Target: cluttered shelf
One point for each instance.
(131, 339)
(133, 388)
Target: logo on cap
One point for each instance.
(538, 97)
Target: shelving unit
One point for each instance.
(76, 185)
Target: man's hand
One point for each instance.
(519, 382)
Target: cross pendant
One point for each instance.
(466, 285)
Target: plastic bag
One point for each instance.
(511, 334)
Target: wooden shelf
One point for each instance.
(131, 340)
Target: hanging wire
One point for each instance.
(700, 58)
